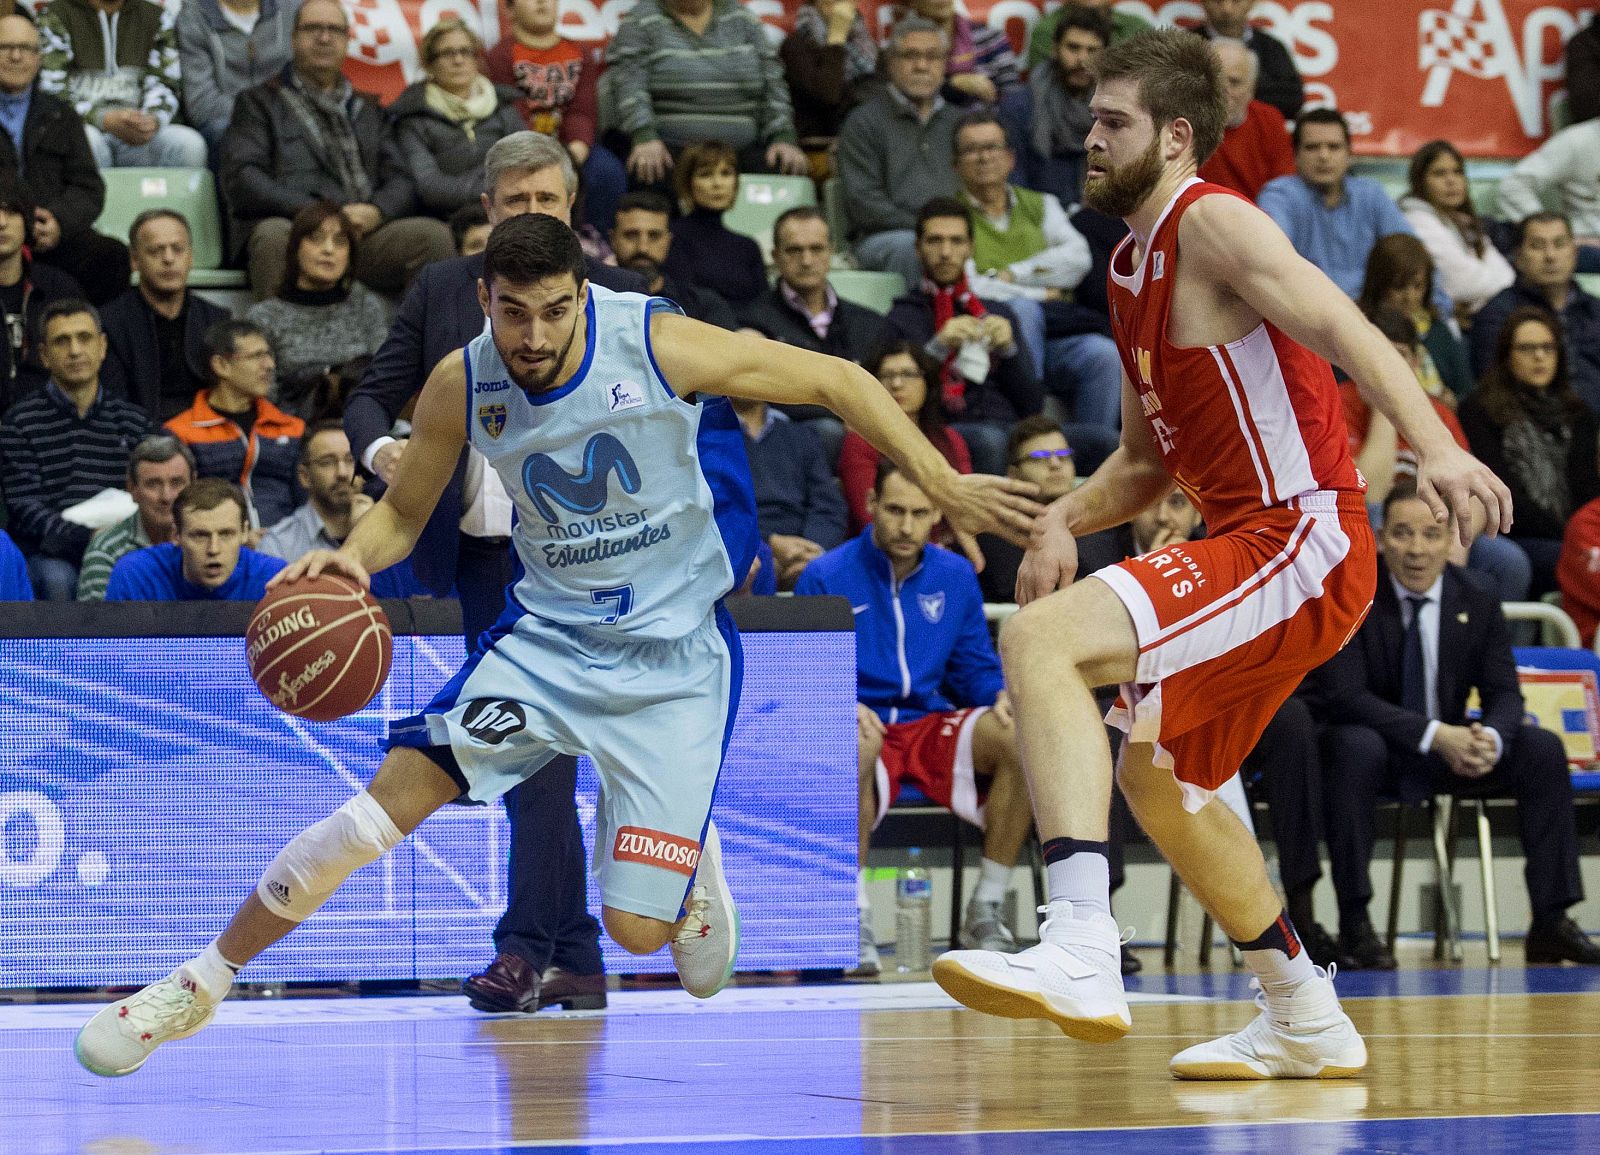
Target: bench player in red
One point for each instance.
(1225, 334)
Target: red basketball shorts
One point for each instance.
(934, 754)
(1230, 625)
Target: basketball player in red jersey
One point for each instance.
(1225, 334)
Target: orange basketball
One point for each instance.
(319, 648)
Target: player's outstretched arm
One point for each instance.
(699, 358)
(388, 532)
(1231, 242)
(1131, 479)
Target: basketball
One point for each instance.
(319, 648)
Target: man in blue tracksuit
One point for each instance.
(932, 709)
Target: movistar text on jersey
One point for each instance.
(589, 526)
(561, 556)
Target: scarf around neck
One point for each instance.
(948, 301)
(326, 118)
(466, 113)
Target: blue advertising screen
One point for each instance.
(145, 784)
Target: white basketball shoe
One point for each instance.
(708, 940)
(1073, 977)
(1305, 1035)
(119, 1039)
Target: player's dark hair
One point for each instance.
(943, 208)
(644, 201)
(157, 449)
(1084, 19)
(530, 248)
(1320, 116)
(207, 493)
(1178, 77)
(798, 213)
(1025, 431)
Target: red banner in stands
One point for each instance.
(1482, 73)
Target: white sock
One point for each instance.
(862, 902)
(1084, 880)
(212, 973)
(993, 882)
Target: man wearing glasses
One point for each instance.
(307, 135)
(897, 151)
(44, 141)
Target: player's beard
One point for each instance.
(543, 382)
(1124, 188)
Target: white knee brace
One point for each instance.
(317, 860)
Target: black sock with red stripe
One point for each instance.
(1277, 957)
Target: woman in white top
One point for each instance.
(1439, 208)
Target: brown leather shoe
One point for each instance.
(509, 983)
(572, 992)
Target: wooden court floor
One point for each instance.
(1462, 1059)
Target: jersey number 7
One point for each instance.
(621, 598)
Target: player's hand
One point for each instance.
(969, 546)
(985, 503)
(649, 162)
(869, 727)
(321, 561)
(1002, 709)
(1051, 562)
(1449, 480)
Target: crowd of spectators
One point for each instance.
(153, 445)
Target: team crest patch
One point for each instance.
(492, 418)
(624, 395)
(932, 606)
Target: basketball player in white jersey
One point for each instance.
(606, 415)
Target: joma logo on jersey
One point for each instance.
(1142, 359)
(656, 848)
(586, 492)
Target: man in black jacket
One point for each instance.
(547, 944)
(988, 383)
(641, 241)
(1395, 703)
(306, 135)
(45, 144)
(26, 287)
(156, 353)
(1278, 82)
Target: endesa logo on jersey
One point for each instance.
(656, 848)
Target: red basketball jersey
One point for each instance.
(1241, 426)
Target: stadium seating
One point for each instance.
(190, 191)
(875, 291)
(762, 199)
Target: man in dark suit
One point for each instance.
(548, 946)
(1395, 700)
